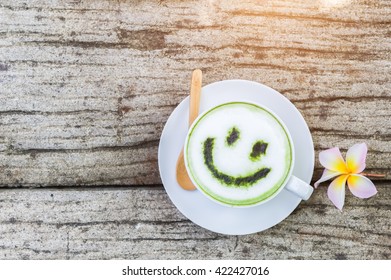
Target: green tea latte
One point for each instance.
(238, 154)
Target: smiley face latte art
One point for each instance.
(238, 154)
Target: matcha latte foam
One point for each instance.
(238, 154)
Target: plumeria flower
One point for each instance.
(349, 171)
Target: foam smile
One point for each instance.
(235, 181)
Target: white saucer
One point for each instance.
(208, 214)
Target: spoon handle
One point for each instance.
(195, 93)
(182, 177)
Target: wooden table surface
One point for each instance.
(86, 87)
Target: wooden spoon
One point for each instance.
(195, 91)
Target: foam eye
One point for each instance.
(259, 148)
(233, 136)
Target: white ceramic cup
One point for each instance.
(290, 183)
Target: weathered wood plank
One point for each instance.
(86, 86)
(142, 223)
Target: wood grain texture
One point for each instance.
(142, 223)
(86, 86)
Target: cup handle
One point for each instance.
(299, 188)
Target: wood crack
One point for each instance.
(139, 145)
(307, 18)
